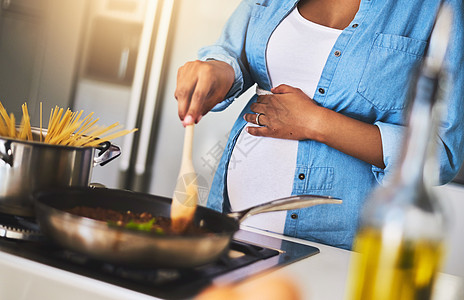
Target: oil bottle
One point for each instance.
(400, 241)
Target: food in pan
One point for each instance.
(143, 221)
(64, 128)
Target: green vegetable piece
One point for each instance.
(146, 226)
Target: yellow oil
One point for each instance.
(393, 270)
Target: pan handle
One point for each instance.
(287, 203)
(107, 153)
(5, 152)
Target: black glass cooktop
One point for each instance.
(249, 253)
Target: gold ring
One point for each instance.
(257, 119)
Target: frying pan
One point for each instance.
(125, 246)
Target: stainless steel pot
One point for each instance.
(29, 166)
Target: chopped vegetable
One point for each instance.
(145, 226)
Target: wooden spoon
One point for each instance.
(185, 197)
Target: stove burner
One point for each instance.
(20, 228)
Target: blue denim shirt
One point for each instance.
(368, 81)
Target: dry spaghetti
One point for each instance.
(65, 128)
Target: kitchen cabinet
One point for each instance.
(112, 51)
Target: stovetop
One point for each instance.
(249, 253)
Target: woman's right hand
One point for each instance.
(200, 86)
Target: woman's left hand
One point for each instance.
(290, 114)
(287, 114)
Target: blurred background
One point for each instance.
(119, 59)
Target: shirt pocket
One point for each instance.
(309, 179)
(386, 76)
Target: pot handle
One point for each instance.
(108, 152)
(287, 203)
(5, 152)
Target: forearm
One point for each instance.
(350, 136)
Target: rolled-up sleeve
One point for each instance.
(229, 48)
(450, 140)
(392, 137)
(237, 86)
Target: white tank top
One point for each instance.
(262, 169)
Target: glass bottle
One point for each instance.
(400, 241)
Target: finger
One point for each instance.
(200, 96)
(259, 131)
(258, 107)
(183, 97)
(283, 89)
(183, 93)
(250, 118)
(253, 118)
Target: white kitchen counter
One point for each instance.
(322, 276)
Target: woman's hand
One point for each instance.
(200, 86)
(291, 114)
(287, 114)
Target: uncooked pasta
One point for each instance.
(65, 128)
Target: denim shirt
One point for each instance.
(366, 77)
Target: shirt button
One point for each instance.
(301, 176)
(321, 90)
(294, 216)
(337, 53)
(355, 25)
